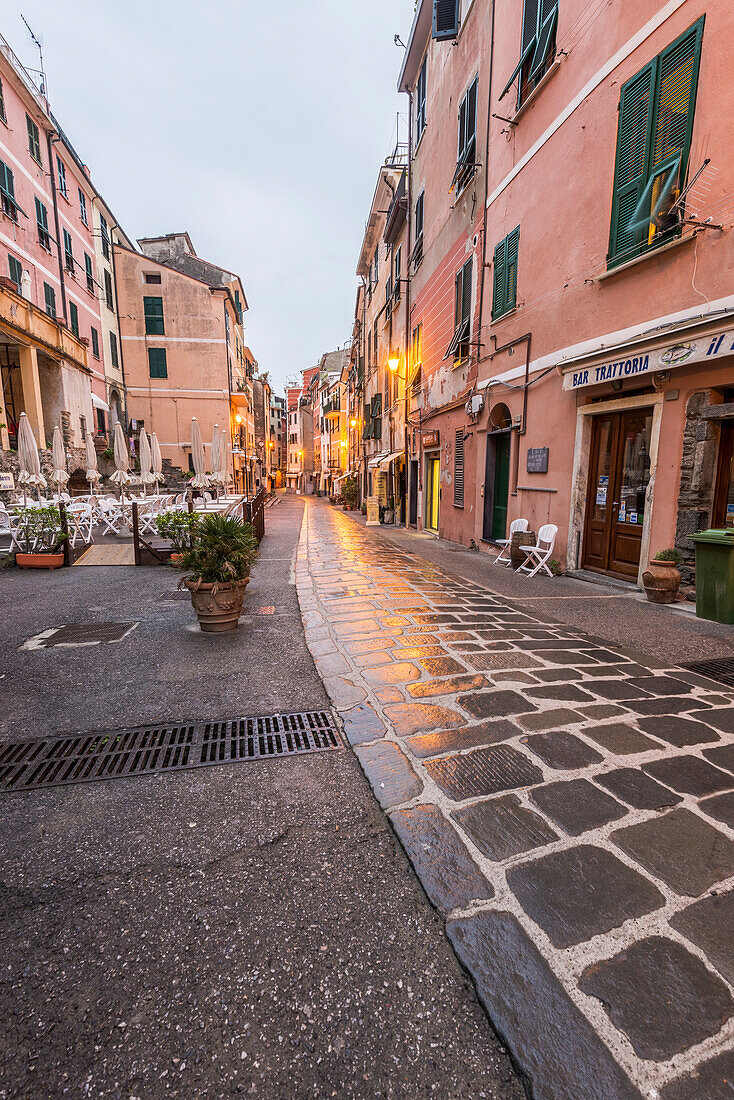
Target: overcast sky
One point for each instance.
(257, 126)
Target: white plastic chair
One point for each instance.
(537, 556)
(110, 514)
(503, 558)
(81, 521)
(7, 530)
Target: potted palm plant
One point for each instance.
(40, 536)
(217, 560)
(662, 576)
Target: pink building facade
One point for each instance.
(52, 366)
(571, 188)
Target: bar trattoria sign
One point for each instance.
(676, 355)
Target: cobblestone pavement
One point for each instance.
(567, 805)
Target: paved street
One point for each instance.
(567, 804)
(248, 930)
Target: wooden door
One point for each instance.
(413, 493)
(501, 486)
(619, 472)
(433, 489)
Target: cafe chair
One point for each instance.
(537, 556)
(503, 558)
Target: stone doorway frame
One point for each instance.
(580, 476)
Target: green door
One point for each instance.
(501, 486)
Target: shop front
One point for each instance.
(653, 449)
(431, 480)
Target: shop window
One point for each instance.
(656, 109)
(537, 47)
(723, 510)
(504, 287)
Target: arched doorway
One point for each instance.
(115, 410)
(497, 474)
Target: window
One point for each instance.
(101, 426)
(68, 252)
(83, 207)
(445, 19)
(152, 277)
(16, 272)
(153, 309)
(89, 270)
(108, 290)
(376, 417)
(114, 358)
(459, 468)
(420, 101)
(3, 116)
(416, 355)
(504, 288)
(61, 173)
(7, 192)
(157, 365)
(375, 264)
(460, 346)
(656, 109)
(74, 319)
(34, 139)
(465, 162)
(83, 428)
(49, 295)
(44, 237)
(237, 305)
(537, 48)
(397, 266)
(95, 343)
(105, 236)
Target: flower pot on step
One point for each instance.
(39, 561)
(662, 581)
(217, 606)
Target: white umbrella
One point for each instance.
(30, 462)
(93, 474)
(146, 459)
(216, 458)
(157, 458)
(199, 480)
(60, 475)
(224, 469)
(121, 476)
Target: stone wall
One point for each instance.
(698, 477)
(174, 478)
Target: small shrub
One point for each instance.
(39, 530)
(556, 567)
(670, 554)
(178, 528)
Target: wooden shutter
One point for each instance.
(513, 245)
(74, 319)
(547, 19)
(636, 106)
(459, 469)
(445, 19)
(466, 286)
(677, 81)
(499, 279)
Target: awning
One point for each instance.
(383, 461)
(342, 477)
(376, 461)
(98, 403)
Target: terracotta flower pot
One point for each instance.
(217, 606)
(662, 581)
(39, 561)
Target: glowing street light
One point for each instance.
(238, 419)
(393, 362)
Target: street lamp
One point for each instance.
(238, 419)
(393, 362)
(353, 422)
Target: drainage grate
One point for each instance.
(721, 670)
(147, 750)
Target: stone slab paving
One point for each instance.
(568, 807)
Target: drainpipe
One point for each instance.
(57, 224)
(486, 189)
(116, 312)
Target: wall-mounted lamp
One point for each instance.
(238, 419)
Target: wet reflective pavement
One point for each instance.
(567, 806)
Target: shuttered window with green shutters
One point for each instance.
(7, 192)
(537, 48)
(153, 309)
(656, 111)
(34, 139)
(44, 237)
(504, 289)
(157, 365)
(95, 342)
(89, 270)
(460, 346)
(68, 252)
(49, 295)
(445, 19)
(74, 319)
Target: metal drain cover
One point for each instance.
(720, 670)
(147, 750)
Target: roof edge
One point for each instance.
(419, 34)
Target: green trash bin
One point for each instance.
(715, 574)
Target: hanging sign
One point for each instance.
(430, 439)
(675, 355)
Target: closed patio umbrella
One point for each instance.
(146, 460)
(60, 474)
(216, 458)
(157, 458)
(93, 475)
(199, 480)
(30, 463)
(121, 476)
(224, 468)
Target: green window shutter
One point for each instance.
(108, 290)
(34, 140)
(499, 279)
(89, 268)
(95, 343)
(157, 363)
(513, 245)
(49, 295)
(74, 319)
(153, 309)
(636, 106)
(16, 271)
(44, 237)
(113, 350)
(68, 251)
(3, 116)
(466, 288)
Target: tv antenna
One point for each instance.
(41, 72)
